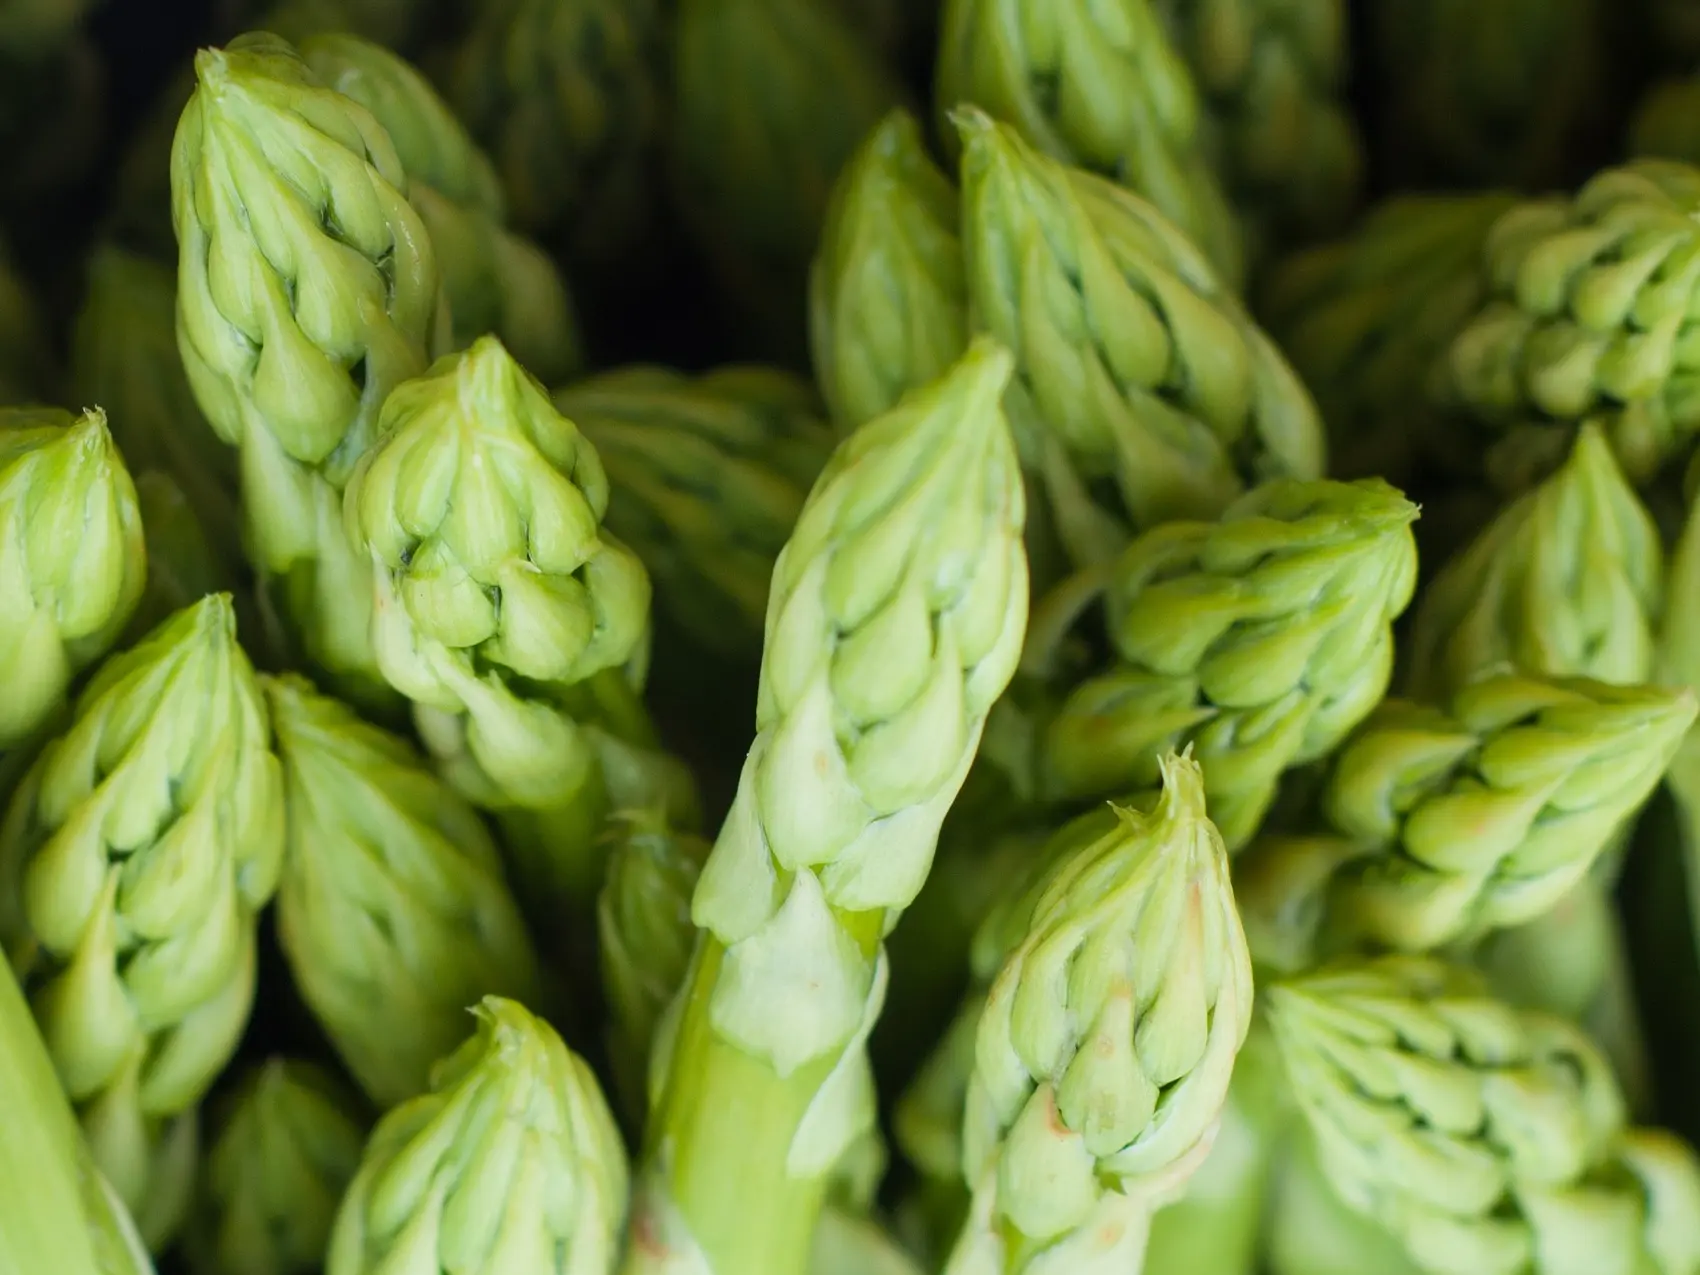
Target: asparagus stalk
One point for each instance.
(307, 290)
(510, 617)
(895, 619)
(1105, 1048)
(134, 859)
(393, 912)
(57, 1212)
(72, 560)
(512, 1162)
(285, 1145)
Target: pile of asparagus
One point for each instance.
(1212, 548)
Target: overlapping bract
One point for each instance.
(393, 912)
(888, 304)
(1587, 319)
(1451, 823)
(307, 290)
(511, 1163)
(495, 281)
(512, 620)
(896, 619)
(286, 1146)
(133, 860)
(1262, 639)
(72, 561)
(707, 475)
(1366, 320)
(1568, 581)
(1487, 1140)
(1097, 86)
(1135, 369)
(1271, 76)
(1108, 1038)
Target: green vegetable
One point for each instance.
(1271, 76)
(1263, 639)
(645, 937)
(134, 859)
(1367, 318)
(1105, 1048)
(1567, 581)
(511, 1163)
(1584, 321)
(707, 476)
(393, 912)
(895, 620)
(753, 170)
(887, 298)
(307, 290)
(72, 561)
(568, 98)
(1489, 91)
(1135, 371)
(124, 357)
(495, 281)
(512, 620)
(57, 1213)
(1451, 823)
(286, 1145)
(1094, 86)
(1484, 1138)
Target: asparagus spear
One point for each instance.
(515, 623)
(495, 281)
(895, 619)
(1137, 371)
(307, 290)
(1262, 638)
(1449, 823)
(134, 859)
(888, 304)
(393, 912)
(285, 1146)
(1105, 1048)
(1584, 321)
(74, 563)
(1097, 86)
(1568, 581)
(57, 1212)
(511, 1162)
(1484, 1139)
